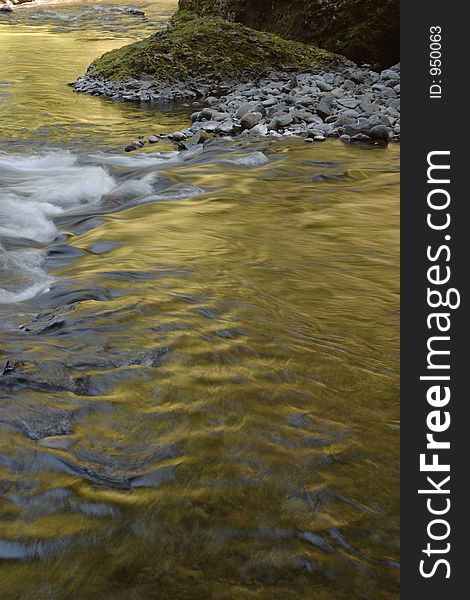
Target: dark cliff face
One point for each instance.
(362, 30)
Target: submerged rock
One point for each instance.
(132, 10)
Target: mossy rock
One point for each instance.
(212, 47)
(362, 30)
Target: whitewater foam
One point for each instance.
(35, 190)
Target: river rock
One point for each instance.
(243, 109)
(322, 86)
(269, 102)
(349, 102)
(380, 133)
(226, 127)
(343, 120)
(349, 85)
(324, 109)
(132, 10)
(304, 115)
(362, 125)
(205, 114)
(153, 139)
(388, 93)
(281, 121)
(220, 116)
(389, 74)
(210, 126)
(259, 130)
(250, 119)
(200, 138)
(177, 136)
(361, 138)
(369, 108)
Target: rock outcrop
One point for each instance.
(210, 48)
(363, 30)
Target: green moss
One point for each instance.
(212, 47)
(362, 30)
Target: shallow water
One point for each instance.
(202, 395)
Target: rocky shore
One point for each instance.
(239, 81)
(355, 104)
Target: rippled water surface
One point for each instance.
(200, 350)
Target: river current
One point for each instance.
(200, 350)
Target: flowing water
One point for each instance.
(200, 350)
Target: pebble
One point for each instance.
(177, 136)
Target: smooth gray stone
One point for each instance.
(389, 74)
(349, 102)
(362, 138)
(322, 86)
(226, 127)
(349, 85)
(281, 121)
(380, 133)
(243, 109)
(250, 119)
(324, 108)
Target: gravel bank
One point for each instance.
(354, 104)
